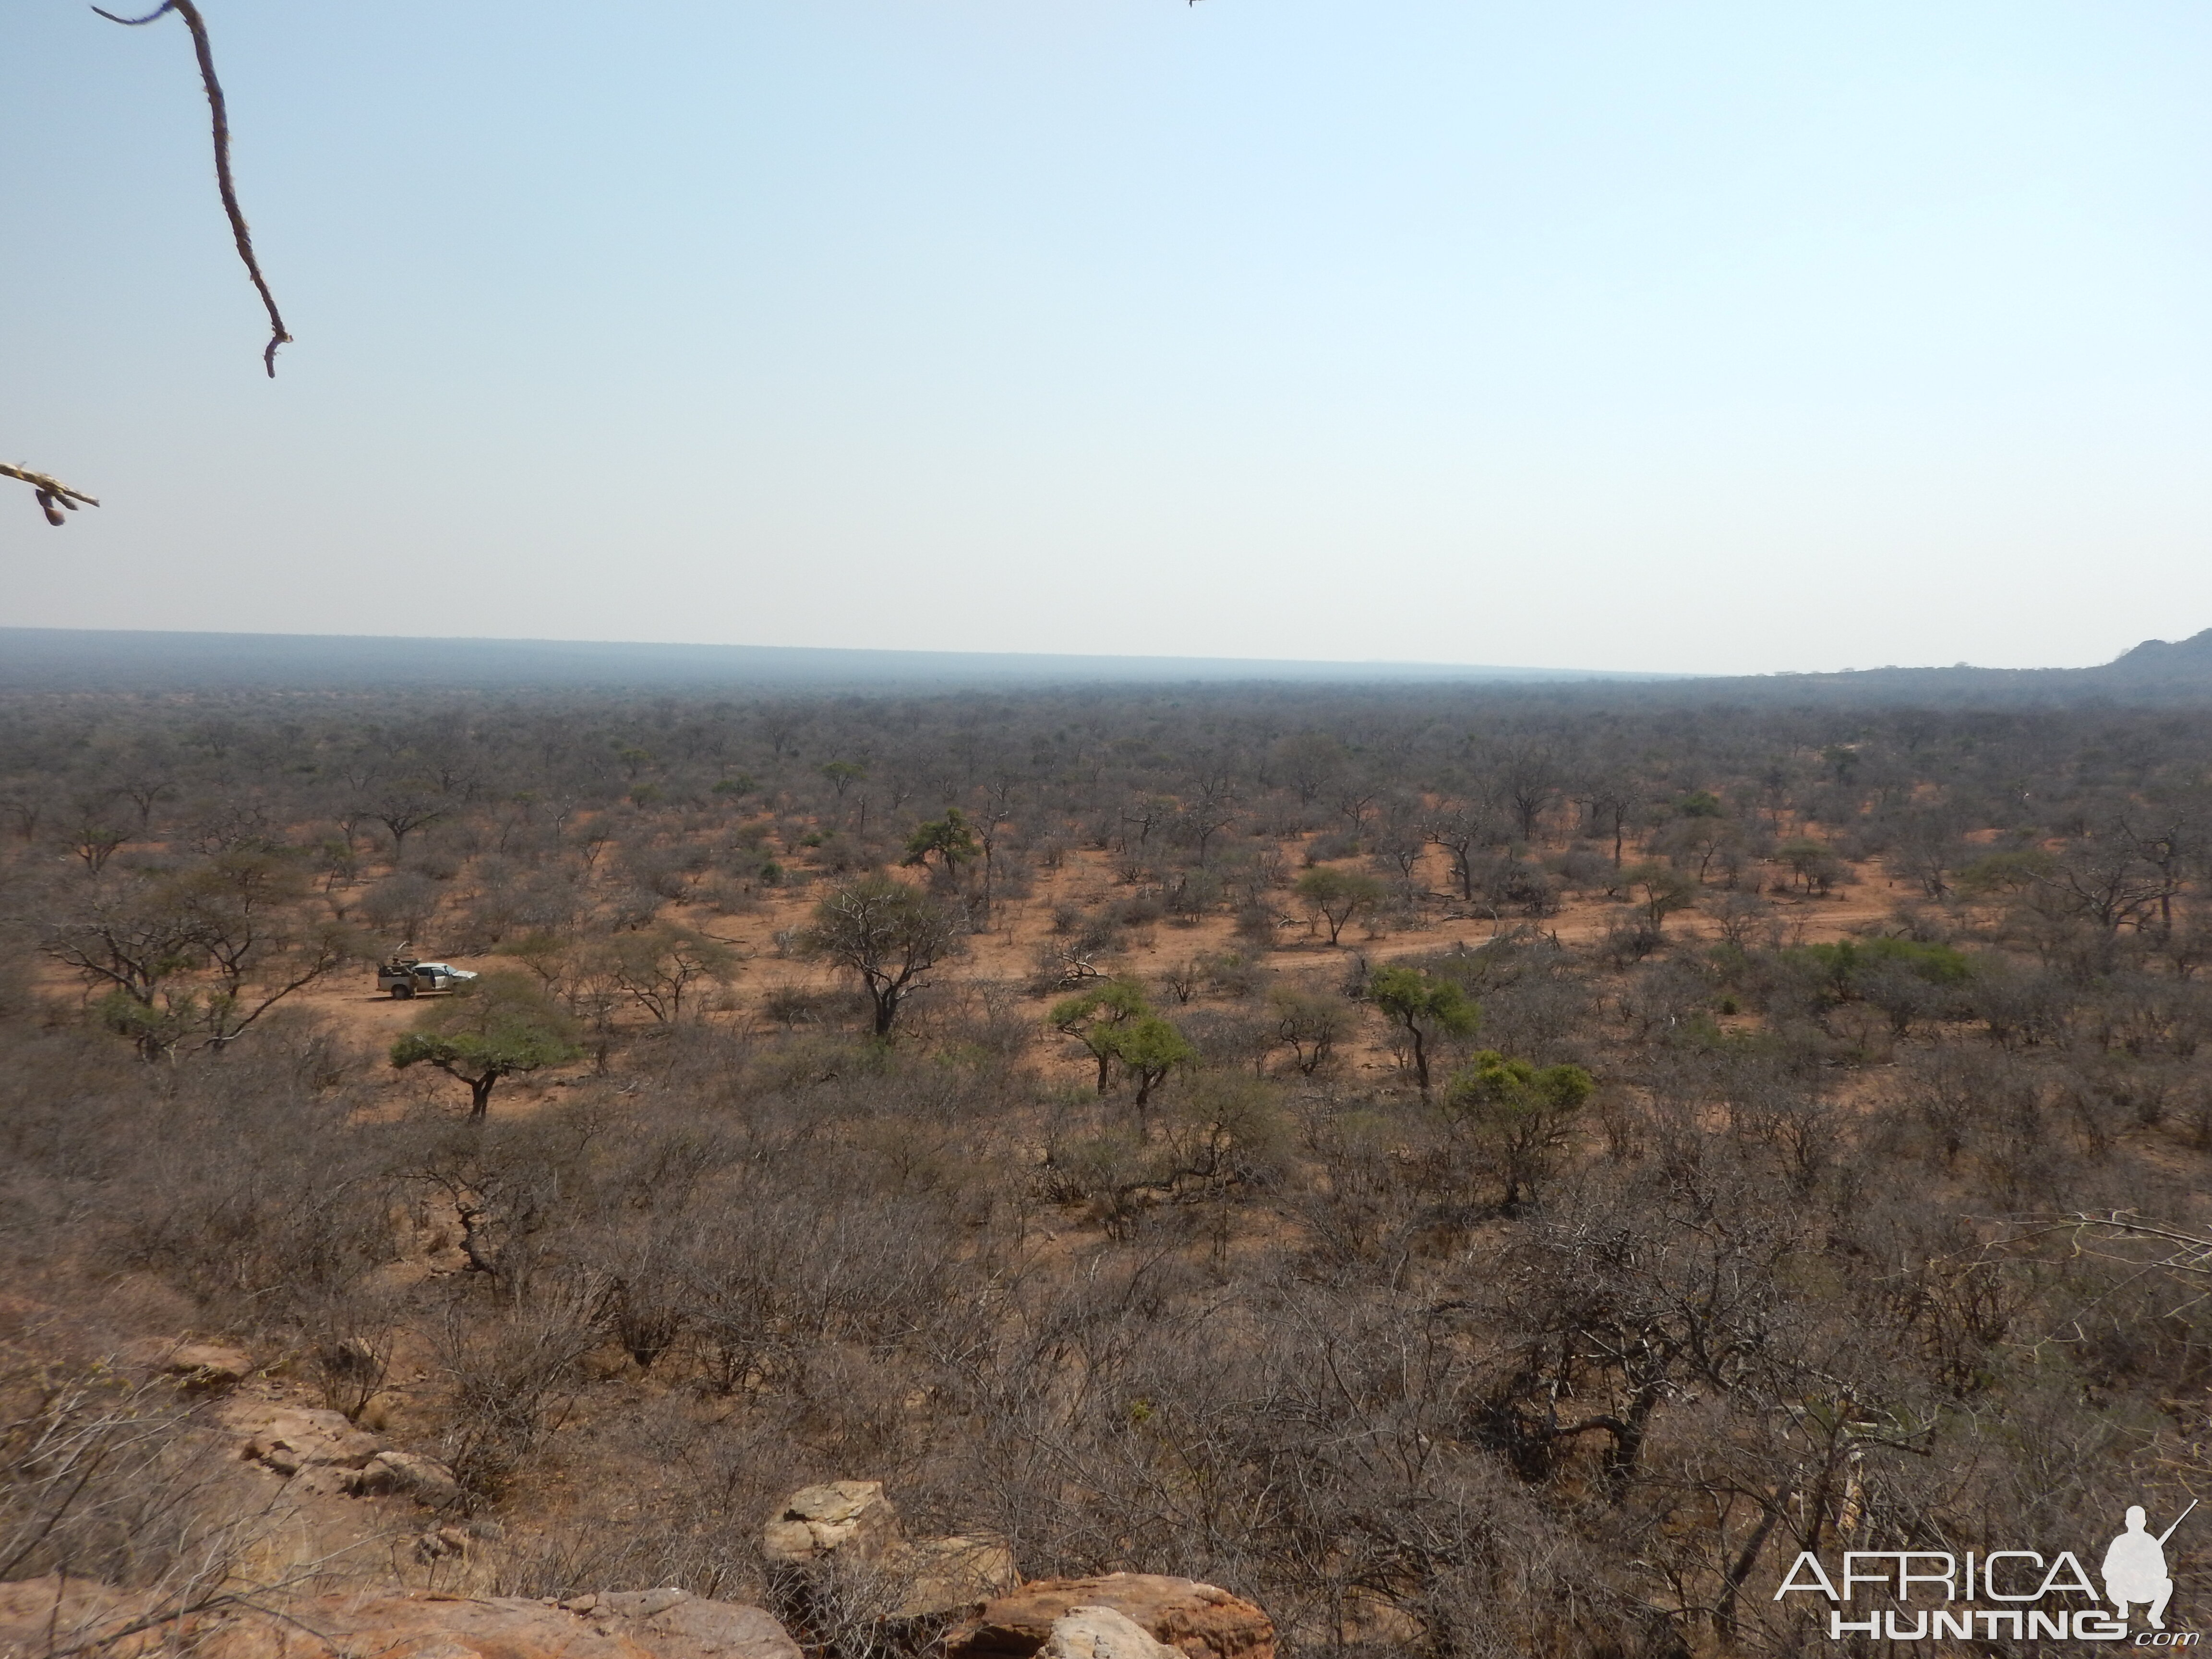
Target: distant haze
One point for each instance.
(37, 659)
(1714, 337)
(33, 658)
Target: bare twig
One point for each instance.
(2189, 1253)
(186, 9)
(53, 494)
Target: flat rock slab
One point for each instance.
(197, 1367)
(289, 1438)
(667, 1624)
(1203, 1620)
(671, 1625)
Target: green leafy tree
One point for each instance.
(1522, 1116)
(501, 1025)
(948, 840)
(1426, 1009)
(1095, 1017)
(886, 934)
(1336, 896)
(1905, 978)
(1150, 1049)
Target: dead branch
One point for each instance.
(53, 494)
(186, 9)
(2190, 1253)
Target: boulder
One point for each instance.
(672, 1624)
(1102, 1633)
(636, 1625)
(197, 1367)
(421, 1625)
(425, 1479)
(289, 1438)
(1202, 1621)
(851, 1520)
(850, 1524)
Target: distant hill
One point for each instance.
(2189, 659)
(2155, 671)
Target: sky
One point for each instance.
(1707, 337)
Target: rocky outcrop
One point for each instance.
(848, 1529)
(320, 1453)
(1202, 1620)
(290, 1438)
(195, 1367)
(851, 1520)
(664, 1624)
(1102, 1633)
(668, 1623)
(425, 1479)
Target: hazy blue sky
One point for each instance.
(1716, 336)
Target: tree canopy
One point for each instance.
(501, 1025)
(887, 934)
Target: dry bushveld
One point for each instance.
(1475, 1174)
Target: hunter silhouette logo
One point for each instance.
(2021, 1582)
(2135, 1568)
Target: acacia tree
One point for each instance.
(1335, 896)
(886, 934)
(1527, 780)
(502, 1026)
(1093, 1017)
(1463, 830)
(1210, 809)
(948, 840)
(191, 960)
(1664, 891)
(1425, 1009)
(1311, 1022)
(1149, 1049)
(1308, 761)
(404, 808)
(1521, 1114)
(657, 967)
(1613, 806)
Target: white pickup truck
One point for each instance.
(404, 977)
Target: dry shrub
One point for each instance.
(514, 1372)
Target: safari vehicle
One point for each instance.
(404, 977)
